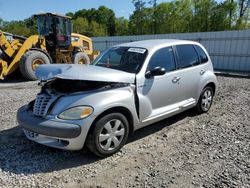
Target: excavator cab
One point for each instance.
(56, 29)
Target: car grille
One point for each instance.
(42, 104)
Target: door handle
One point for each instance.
(202, 72)
(176, 79)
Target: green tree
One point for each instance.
(243, 7)
(121, 25)
(17, 27)
(106, 17)
(151, 18)
(243, 15)
(70, 14)
(202, 12)
(164, 17)
(182, 16)
(222, 16)
(103, 16)
(96, 29)
(154, 4)
(137, 24)
(31, 24)
(92, 28)
(80, 25)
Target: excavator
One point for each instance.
(55, 43)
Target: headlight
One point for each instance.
(75, 113)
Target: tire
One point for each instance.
(81, 58)
(108, 131)
(30, 61)
(205, 100)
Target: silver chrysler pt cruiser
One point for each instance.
(127, 87)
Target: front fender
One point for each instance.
(100, 101)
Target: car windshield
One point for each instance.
(126, 59)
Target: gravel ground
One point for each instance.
(187, 150)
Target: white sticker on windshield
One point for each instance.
(137, 50)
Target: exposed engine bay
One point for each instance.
(64, 86)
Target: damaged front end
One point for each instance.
(53, 90)
(67, 105)
(58, 81)
(60, 86)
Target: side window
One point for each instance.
(187, 55)
(163, 58)
(202, 54)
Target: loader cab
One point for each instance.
(56, 29)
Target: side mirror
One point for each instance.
(157, 71)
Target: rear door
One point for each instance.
(189, 73)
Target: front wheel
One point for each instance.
(109, 135)
(205, 100)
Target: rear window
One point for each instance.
(202, 54)
(187, 56)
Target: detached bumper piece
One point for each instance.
(38, 125)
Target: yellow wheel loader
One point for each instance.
(55, 43)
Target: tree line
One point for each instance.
(151, 17)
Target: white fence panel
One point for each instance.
(229, 50)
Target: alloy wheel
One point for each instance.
(206, 100)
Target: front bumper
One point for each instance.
(28, 121)
(53, 132)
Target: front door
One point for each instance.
(158, 94)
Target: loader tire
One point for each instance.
(81, 58)
(30, 61)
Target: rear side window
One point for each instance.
(187, 56)
(163, 58)
(202, 54)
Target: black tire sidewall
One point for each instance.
(96, 148)
(27, 60)
(81, 55)
(199, 105)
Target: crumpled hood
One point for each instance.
(83, 72)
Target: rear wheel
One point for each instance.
(30, 61)
(205, 100)
(109, 135)
(81, 58)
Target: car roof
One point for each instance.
(156, 43)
